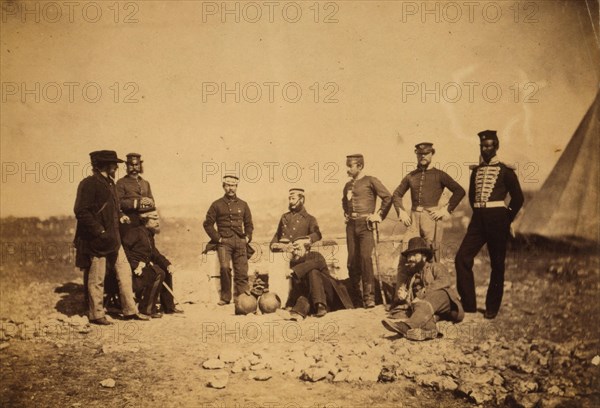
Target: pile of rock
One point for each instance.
(490, 371)
(232, 360)
(56, 328)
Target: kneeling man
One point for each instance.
(425, 288)
(313, 288)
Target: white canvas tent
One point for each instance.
(566, 207)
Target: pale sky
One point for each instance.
(381, 64)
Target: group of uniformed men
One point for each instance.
(116, 224)
(423, 290)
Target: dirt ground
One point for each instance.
(542, 349)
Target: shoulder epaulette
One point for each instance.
(510, 166)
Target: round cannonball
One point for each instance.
(245, 304)
(269, 302)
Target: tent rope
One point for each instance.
(592, 21)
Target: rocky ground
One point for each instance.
(542, 350)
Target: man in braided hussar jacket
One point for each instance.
(491, 181)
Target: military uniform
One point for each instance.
(358, 201)
(130, 191)
(234, 225)
(426, 187)
(490, 224)
(296, 224)
(140, 246)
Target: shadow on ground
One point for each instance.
(72, 299)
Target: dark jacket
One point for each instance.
(97, 212)
(492, 182)
(130, 191)
(139, 246)
(435, 276)
(426, 187)
(360, 196)
(293, 225)
(314, 260)
(232, 216)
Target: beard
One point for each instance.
(295, 208)
(487, 156)
(135, 172)
(416, 267)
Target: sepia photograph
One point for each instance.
(300, 204)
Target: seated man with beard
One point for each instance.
(425, 287)
(149, 266)
(313, 288)
(296, 223)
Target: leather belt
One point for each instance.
(355, 216)
(489, 204)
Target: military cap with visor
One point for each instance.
(149, 212)
(231, 179)
(357, 157)
(424, 148)
(488, 135)
(134, 158)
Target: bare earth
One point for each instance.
(542, 349)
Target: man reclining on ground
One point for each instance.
(424, 288)
(313, 288)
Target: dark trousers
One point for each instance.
(147, 287)
(111, 289)
(423, 310)
(233, 250)
(167, 302)
(312, 289)
(360, 264)
(489, 226)
(135, 221)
